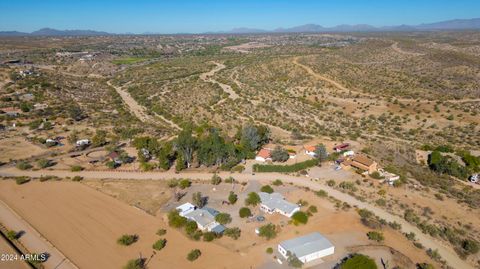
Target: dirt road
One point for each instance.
(207, 77)
(33, 240)
(445, 251)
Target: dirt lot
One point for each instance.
(18, 148)
(10, 252)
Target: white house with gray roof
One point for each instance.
(205, 219)
(307, 248)
(276, 203)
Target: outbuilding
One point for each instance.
(307, 248)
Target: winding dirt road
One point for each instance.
(207, 77)
(445, 251)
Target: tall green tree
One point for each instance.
(186, 144)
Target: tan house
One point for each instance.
(364, 163)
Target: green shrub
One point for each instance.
(12, 235)
(194, 254)
(209, 236)
(184, 183)
(232, 198)
(375, 236)
(159, 244)
(234, 232)
(267, 189)
(44, 163)
(321, 193)
(252, 199)
(268, 231)
(244, 212)
(216, 179)
(269, 250)
(223, 218)
(161, 232)
(266, 168)
(77, 178)
(359, 261)
(21, 180)
(175, 220)
(76, 168)
(23, 165)
(277, 182)
(299, 217)
(135, 264)
(127, 239)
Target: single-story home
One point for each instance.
(264, 155)
(185, 209)
(341, 147)
(82, 142)
(205, 219)
(276, 203)
(364, 163)
(310, 150)
(307, 248)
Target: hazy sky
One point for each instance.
(193, 16)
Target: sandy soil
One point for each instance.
(85, 224)
(5, 248)
(18, 148)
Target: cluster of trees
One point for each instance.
(204, 146)
(446, 165)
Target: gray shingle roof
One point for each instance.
(306, 244)
(203, 216)
(277, 201)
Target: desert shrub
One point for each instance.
(425, 266)
(269, 250)
(175, 220)
(223, 218)
(299, 217)
(216, 179)
(21, 180)
(23, 165)
(12, 235)
(234, 232)
(244, 212)
(321, 193)
(76, 168)
(350, 186)
(135, 264)
(358, 261)
(161, 232)
(229, 180)
(44, 163)
(232, 198)
(77, 178)
(434, 254)
(191, 227)
(252, 199)
(194, 254)
(267, 189)
(331, 183)
(375, 236)
(159, 244)
(184, 183)
(293, 261)
(172, 183)
(381, 202)
(127, 239)
(277, 182)
(279, 154)
(268, 231)
(376, 175)
(285, 168)
(312, 209)
(395, 225)
(209, 236)
(470, 246)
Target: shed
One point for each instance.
(307, 248)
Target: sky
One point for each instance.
(197, 16)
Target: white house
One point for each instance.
(264, 155)
(83, 142)
(310, 150)
(185, 209)
(205, 219)
(307, 248)
(276, 203)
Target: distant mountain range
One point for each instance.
(451, 25)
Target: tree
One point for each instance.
(293, 261)
(299, 217)
(280, 154)
(252, 199)
(233, 233)
(216, 179)
(321, 152)
(191, 227)
(180, 164)
(135, 264)
(166, 156)
(209, 236)
(160, 244)
(244, 212)
(184, 183)
(75, 112)
(194, 254)
(212, 149)
(250, 138)
(266, 188)
(268, 231)
(23, 165)
(186, 145)
(161, 232)
(127, 239)
(358, 261)
(199, 200)
(223, 218)
(232, 198)
(175, 220)
(44, 163)
(100, 138)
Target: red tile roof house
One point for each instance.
(341, 147)
(264, 155)
(310, 150)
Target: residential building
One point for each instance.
(83, 142)
(185, 209)
(341, 147)
(276, 203)
(364, 163)
(264, 155)
(307, 248)
(310, 150)
(205, 219)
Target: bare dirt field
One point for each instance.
(6, 249)
(18, 148)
